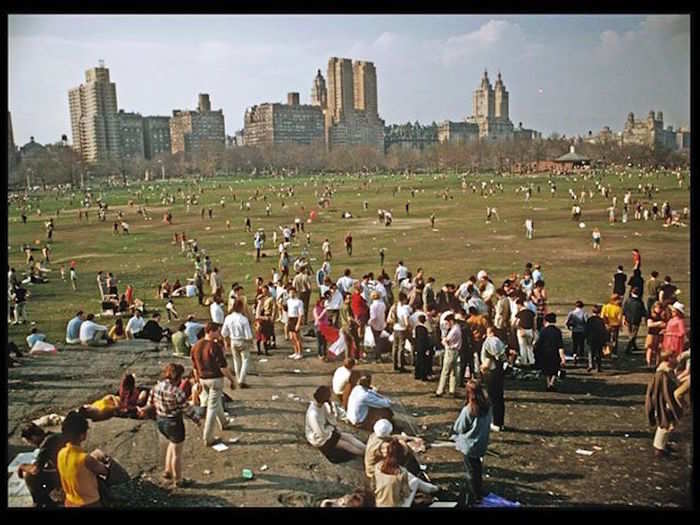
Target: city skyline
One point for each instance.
(566, 74)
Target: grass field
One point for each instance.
(460, 245)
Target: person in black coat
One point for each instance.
(636, 281)
(466, 351)
(422, 348)
(633, 311)
(619, 281)
(596, 335)
(549, 350)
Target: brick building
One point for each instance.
(290, 123)
(457, 132)
(193, 131)
(131, 135)
(156, 136)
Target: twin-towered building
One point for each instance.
(102, 132)
(342, 113)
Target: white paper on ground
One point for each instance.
(220, 447)
(584, 452)
(297, 371)
(443, 444)
(443, 504)
(262, 360)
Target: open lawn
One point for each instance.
(534, 462)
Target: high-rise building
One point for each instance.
(319, 93)
(94, 116)
(131, 135)
(649, 132)
(291, 123)
(194, 131)
(156, 136)
(352, 117)
(490, 110)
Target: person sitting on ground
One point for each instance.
(77, 469)
(193, 329)
(322, 432)
(181, 345)
(395, 487)
(376, 449)
(93, 334)
(34, 336)
(366, 407)
(124, 404)
(73, 329)
(341, 377)
(135, 324)
(41, 476)
(117, 332)
(153, 331)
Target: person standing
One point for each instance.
(596, 238)
(524, 325)
(215, 282)
(473, 427)
(422, 347)
(400, 329)
(210, 368)
(662, 409)
(633, 313)
(597, 335)
(238, 339)
(612, 315)
(377, 322)
(493, 357)
(636, 281)
(675, 331)
(576, 322)
(101, 285)
(652, 286)
(656, 322)
(348, 243)
(549, 350)
(529, 229)
(539, 298)
(451, 343)
(619, 281)
(466, 351)
(302, 283)
(169, 402)
(295, 318)
(326, 249)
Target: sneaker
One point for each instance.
(298, 356)
(292, 356)
(495, 428)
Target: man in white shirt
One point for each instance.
(451, 343)
(135, 325)
(401, 327)
(346, 282)
(93, 334)
(341, 377)
(216, 310)
(377, 322)
(366, 407)
(238, 338)
(326, 249)
(334, 304)
(401, 273)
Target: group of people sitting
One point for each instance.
(82, 329)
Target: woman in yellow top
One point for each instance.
(612, 316)
(117, 332)
(77, 469)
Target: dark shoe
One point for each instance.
(589, 369)
(243, 385)
(437, 395)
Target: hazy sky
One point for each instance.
(564, 73)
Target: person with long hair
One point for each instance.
(675, 331)
(655, 325)
(321, 428)
(169, 402)
(473, 427)
(394, 485)
(117, 332)
(493, 356)
(295, 319)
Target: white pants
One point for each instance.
(525, 342)
(214, 389)
(417, 484)
(241, 358)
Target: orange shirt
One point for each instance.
(79, 484)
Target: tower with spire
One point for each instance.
(490, 109)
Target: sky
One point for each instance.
(564, 74)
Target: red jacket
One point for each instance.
(359, 307)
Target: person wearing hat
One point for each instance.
(612, 315)
(675, 331)
(662, 409)
(549, 350)
(376, 449)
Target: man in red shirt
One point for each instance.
(210, 367)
